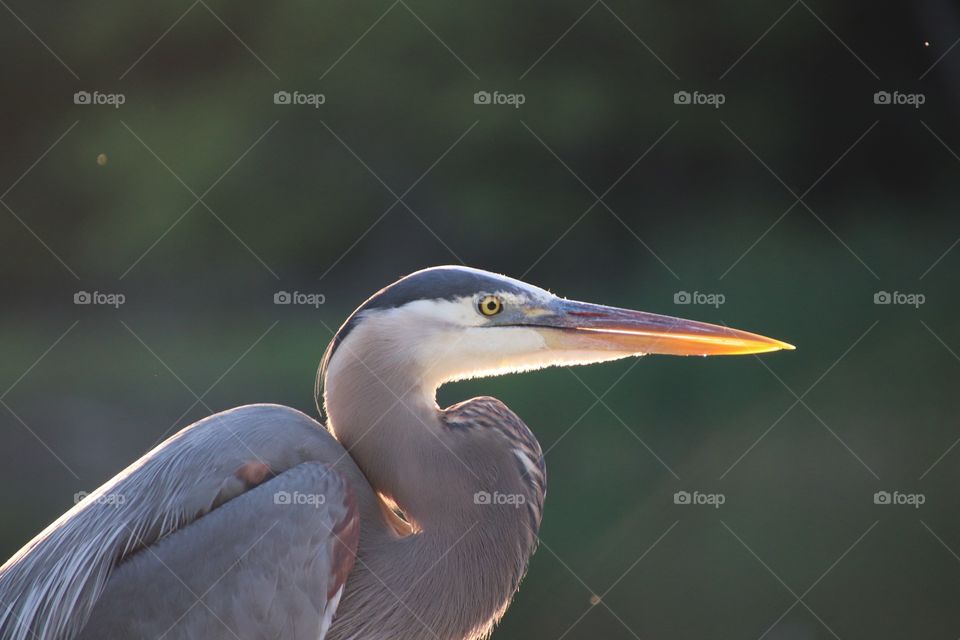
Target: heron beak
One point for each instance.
(585, 326)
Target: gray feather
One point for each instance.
(256, 568)
(50, 587)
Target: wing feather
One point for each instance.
(49, 588)
(262, 566)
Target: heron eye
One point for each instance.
(490, 305)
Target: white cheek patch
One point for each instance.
(464, 353)
(460, 312)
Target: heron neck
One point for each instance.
(388, 422)
(455, 576)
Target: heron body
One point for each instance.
(397, 519)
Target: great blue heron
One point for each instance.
(404, 519)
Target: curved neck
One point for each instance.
(454, 577)
(387, 424)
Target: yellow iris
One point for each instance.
(490, 305)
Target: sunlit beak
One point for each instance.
(584, 326)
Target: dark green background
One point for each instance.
(301, 211)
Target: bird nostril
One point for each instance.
(588, 314)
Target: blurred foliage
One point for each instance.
(306, 199)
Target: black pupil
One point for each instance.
(491, 305)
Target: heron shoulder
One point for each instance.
(482, 411)
(486, 412)
(195, 472)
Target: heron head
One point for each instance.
(452, 323)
